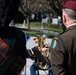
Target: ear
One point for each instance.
(64, 18)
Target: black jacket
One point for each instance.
(8, 34)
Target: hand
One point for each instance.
(44, 49)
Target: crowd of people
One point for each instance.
(13, 51)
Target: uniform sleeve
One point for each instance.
(58, 57)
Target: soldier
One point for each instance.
(63, 47)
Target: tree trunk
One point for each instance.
(28, 22)
(50, 19)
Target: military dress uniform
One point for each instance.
(63, 47)
(63, 52)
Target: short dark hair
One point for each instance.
(71, 13)
(8, 10)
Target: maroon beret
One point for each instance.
(71, 4)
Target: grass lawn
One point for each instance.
(46, 27)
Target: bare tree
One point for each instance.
(57, 7)
(29, 6)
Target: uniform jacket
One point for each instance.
(63, 52)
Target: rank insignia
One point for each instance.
(54, 43)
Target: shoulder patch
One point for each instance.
(54, 43)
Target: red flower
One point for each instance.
(35, 39)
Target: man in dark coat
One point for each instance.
(63, 48)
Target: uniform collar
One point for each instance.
(72, 26)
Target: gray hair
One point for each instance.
(71, 13)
